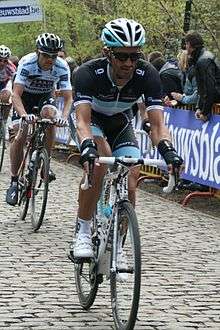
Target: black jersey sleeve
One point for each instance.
(152, 89)
(84, 86)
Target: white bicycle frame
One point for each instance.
(118, 191)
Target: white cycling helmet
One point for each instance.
(49, 43)
(123, 32)
(4, 52)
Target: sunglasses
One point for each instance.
(125, 56)
(3, 60)
(46, 55)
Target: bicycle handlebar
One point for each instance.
(133, 161)
(37, 121)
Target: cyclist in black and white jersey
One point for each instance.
(105, 90)
(37, 75)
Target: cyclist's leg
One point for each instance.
(48, 110)
(16, 144)
(88, 200)
(16, 156)
(126, 145)
(133, 176)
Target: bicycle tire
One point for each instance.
(88, 289)
(2, 143)
(40, 182)
(125, 319)
(23, 191)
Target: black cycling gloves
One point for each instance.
(169, 154)
(88, 150)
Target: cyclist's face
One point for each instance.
(46, 61)
(3, 63)
(123, 60)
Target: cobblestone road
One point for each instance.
(180, 272)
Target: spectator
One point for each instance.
(170, 74)
(62, 54)
(14, 59)
(207, 72)
(152, 56)
(73, 68)
(189, 85)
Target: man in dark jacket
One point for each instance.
(170, 74)
(207, 71)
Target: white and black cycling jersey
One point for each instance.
(38, 81)
(94, 86)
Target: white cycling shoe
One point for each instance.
(122, 263)
(83, 246)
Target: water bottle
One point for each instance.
(31, 164)
(107, 211)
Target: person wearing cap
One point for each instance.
(207, 73)
(37, 75)
(106, 89)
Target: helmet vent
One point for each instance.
(129, 30)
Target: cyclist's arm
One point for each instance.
(85, 90)
(68, 99)
(83, 120)
(158, 130)
(16, 99)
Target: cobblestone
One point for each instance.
(180, 265)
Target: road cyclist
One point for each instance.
(37, 76)
(105, 89)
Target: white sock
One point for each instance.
(84, 226)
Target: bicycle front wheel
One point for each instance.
(125, 278)
(2, 142)
(39, 191)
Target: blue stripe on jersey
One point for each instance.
(60, 66)
(82, 98)
(30, 63)
(150, 101)
(110, 108)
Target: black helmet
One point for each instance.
(49, 43)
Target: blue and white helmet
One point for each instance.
(123, 32)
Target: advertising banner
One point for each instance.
(20, 11)
(197, 142)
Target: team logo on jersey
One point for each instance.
(99, 71)
(140, 72)
(43, 85)
(24, 72)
